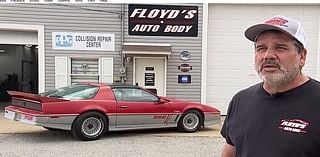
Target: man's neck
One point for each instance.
(298, 81)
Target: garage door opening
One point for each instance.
(18, 69)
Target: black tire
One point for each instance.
(52, 129)
(89, 126)
(190, 121)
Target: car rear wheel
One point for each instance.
(89, 126)
(190, 121)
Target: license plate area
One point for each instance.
(24, 118)
(17, 117)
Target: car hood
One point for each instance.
(182, 104)
(173, 99)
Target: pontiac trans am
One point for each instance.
(89, 110)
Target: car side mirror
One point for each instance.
(163, 100)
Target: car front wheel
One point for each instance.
(89, 126)
(190, 121)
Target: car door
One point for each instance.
(139, 108)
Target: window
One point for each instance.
(134, 94)
(84, 70)
(73, 92)
(75, 70)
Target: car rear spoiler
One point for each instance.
(33, 97)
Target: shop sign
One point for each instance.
(185, 55)
(83, 41)
(184, 79)
(163, 20)
(149, 79)
(185, 67)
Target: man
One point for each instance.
(279, 117)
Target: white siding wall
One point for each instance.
(191, 92)
(231, 56)
(82, 17)
(18, 37)
(94, 17)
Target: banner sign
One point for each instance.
(83, 41)
(163, 20)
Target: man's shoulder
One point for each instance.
(315, 82)
(254, 89)
(312, 85)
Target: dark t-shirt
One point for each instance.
(281, 125)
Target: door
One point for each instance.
(150, 74)
(138, 108)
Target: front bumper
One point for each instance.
(211, 118)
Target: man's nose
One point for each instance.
(269, 53)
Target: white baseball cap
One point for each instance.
(281, 23)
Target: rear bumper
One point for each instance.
(211, 118)
(22, 115)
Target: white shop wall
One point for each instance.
(230, 57)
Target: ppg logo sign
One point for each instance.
(63, 40)
(99, 41)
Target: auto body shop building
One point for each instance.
(195, 52)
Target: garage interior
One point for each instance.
(18, 69)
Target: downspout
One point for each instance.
(123, 78)
(205, 19)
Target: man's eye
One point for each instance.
(260, 49)
(281, 48)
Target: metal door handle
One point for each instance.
(124, 106)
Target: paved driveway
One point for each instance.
(21, 140)
(12, 127)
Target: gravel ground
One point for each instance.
(120, 144)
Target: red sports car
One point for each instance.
(91, 109)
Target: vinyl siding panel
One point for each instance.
(89, 18)
(191, 92)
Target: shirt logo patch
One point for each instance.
(294, 125)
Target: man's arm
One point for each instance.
(228, 151)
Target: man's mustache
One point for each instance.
(269, 62)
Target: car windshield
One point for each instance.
(73, 92)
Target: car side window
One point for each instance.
(119, 93)
(133, 94)
(73, 92)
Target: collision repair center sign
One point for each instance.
(163, 20)
(83, 41)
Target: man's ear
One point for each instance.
(303, 57)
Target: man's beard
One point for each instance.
(282, 77)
